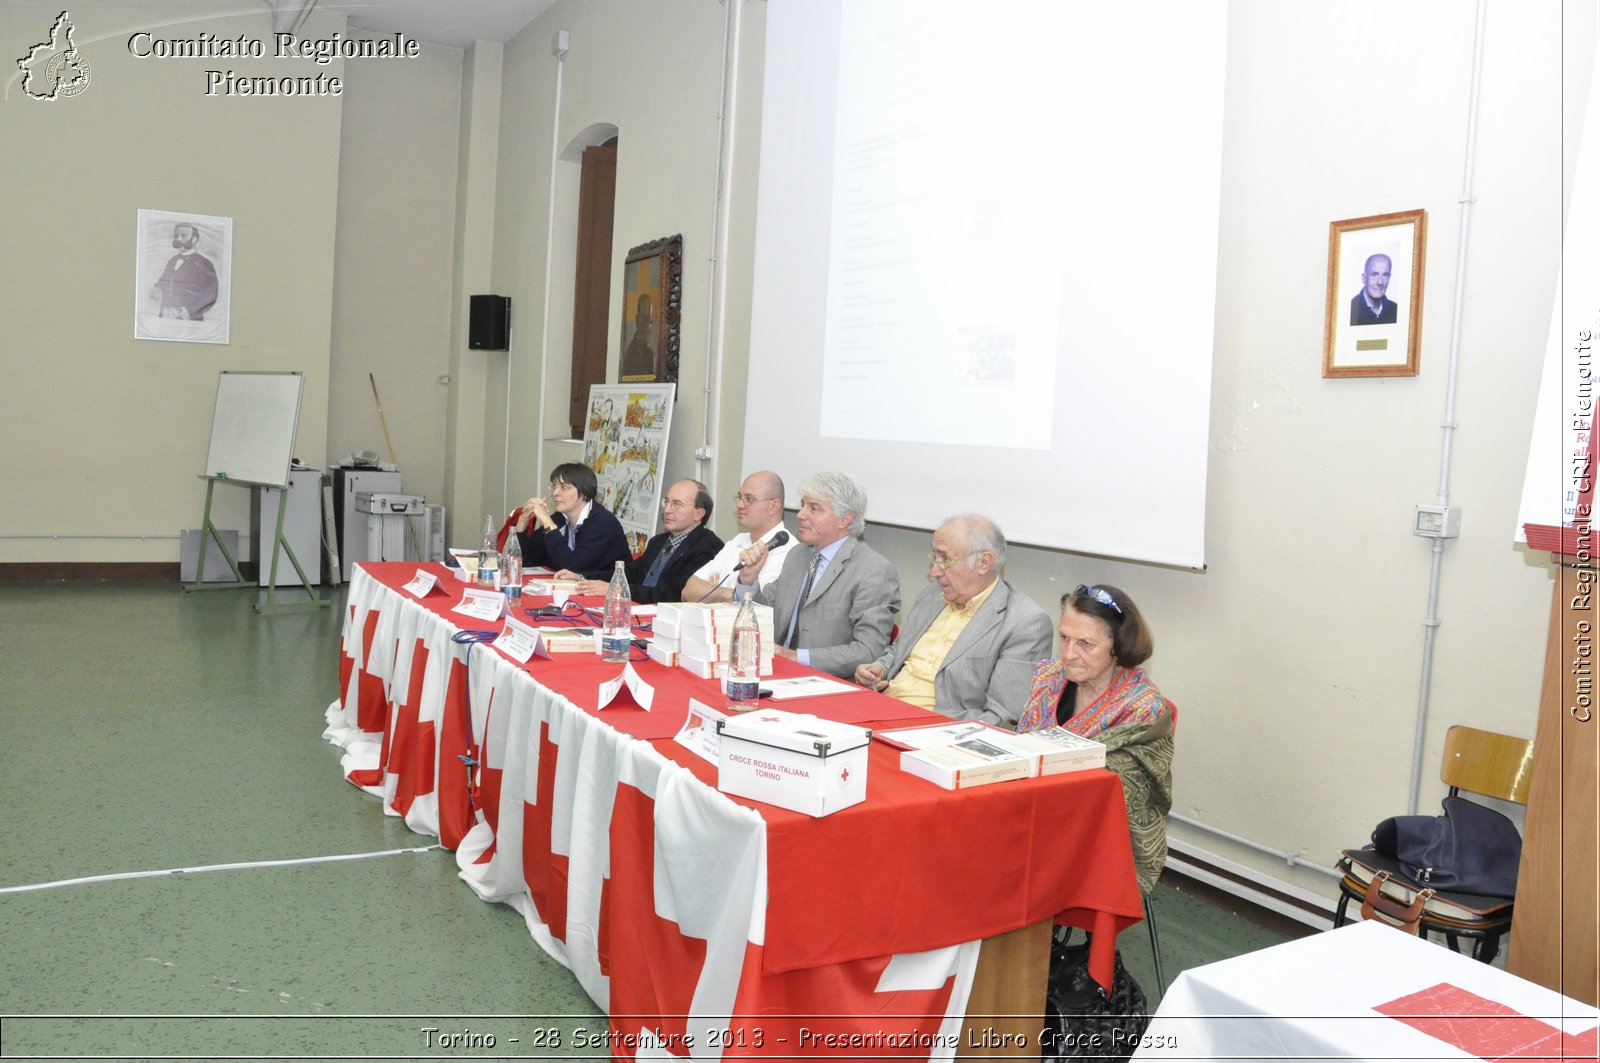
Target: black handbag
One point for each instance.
(1469, 849)
(1081, 1020)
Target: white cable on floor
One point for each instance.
(209, 867)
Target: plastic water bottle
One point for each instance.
(489, 557)
(616, 637)
(511, 568)
(744, 660)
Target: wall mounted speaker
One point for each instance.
(489, 323)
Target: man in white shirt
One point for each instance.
(760, 509)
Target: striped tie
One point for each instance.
(792, 639)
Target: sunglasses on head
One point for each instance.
(1097, 594)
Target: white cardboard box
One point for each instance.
(668, 619)
(794, 761)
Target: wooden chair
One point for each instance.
(1479, 762)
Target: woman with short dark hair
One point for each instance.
(570, 530)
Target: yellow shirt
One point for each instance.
(914, 681)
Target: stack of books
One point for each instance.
(698, 636)
(570, 639)
(958, 755)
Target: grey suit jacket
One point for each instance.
(989, 670)
(850, 611)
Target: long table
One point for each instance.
(706, 925)
(1363, 992)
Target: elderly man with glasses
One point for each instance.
(759, 505)
(971, 640)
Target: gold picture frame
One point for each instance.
(652, 301)
(1374, 315)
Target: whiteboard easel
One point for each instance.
(252, 445)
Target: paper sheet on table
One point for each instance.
(807, 686)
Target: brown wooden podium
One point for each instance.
(1555, 930)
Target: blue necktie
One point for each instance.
(659, 565)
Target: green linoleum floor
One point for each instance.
(161, 730)
(142, 729)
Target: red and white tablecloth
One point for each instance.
(677, 906)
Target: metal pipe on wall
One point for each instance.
(560, 49)
(1431, 621)
(709, 456)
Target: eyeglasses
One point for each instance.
(947, 563)
(1098, 594)
(750, 500)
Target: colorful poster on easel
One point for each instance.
(625, 443)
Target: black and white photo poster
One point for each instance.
(182, 277)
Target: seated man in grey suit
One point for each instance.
(835, 598)
(971, 639)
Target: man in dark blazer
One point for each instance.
(670, 558)
(834, 601)
(187, 287)
(971, 640)
(1371, 306)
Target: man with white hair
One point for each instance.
(835, 599)
(971, 639)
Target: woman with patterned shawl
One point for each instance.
(1096, 689)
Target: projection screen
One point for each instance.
(985, 265)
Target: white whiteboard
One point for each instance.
(252, 430)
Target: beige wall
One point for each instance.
(105, 434)
(394, 276)
(652, 71)
(1295, 658)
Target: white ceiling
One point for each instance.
(454, 22)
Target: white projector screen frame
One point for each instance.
(985, 266)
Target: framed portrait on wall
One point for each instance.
(1374, 312)
(652, 303)
(183, 267)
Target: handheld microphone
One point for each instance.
(777, 541)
